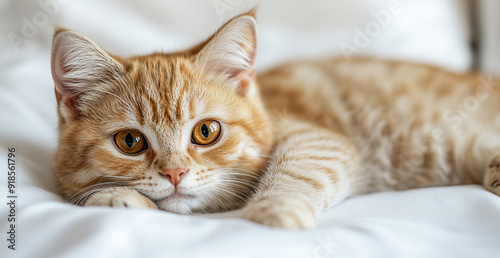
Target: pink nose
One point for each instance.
(174, 174)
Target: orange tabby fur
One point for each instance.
(295, 141)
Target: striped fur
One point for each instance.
(295, 140)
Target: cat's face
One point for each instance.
(187, 129)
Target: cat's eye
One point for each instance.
(130, 141)
(206, 132)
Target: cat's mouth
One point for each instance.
(178, 202)
(176, 196)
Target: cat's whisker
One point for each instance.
(119, 177)
(242, 189)
(239, 177)
(238, 181)
(247, 193)
(241, 169)
(228, 195)
(85, 196)
(214, 198)
(221, 194)
(98, 186)
(240, 174)
(85, 189)
(226, 189)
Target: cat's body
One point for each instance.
(391, 126)
(412, 125)
(324, 130)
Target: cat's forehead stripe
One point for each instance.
(165, 86)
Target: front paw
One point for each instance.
(281, 213)
(120, 198)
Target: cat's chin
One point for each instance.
(179, 203)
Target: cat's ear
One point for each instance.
(231, 52)
(80, 70)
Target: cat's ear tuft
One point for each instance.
(79, 68)
(231, 53)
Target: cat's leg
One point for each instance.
(120, 197)
(492, 177)
(311, 169)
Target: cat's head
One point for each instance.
(186, 129)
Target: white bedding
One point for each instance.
(458, 221)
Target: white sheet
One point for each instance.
(460, 221)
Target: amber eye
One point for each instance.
(206, 132)
(130, 141)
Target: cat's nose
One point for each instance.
(174, 174)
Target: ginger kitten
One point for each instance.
(198, 131)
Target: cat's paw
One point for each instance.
(492, 176)
(120, 197)
(281, 213)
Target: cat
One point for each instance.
(199, 131)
